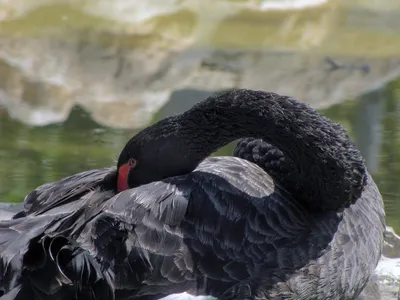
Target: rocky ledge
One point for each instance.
(123, 69)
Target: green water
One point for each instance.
(31, 156)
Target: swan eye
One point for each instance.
(132, 162)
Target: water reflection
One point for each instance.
(30, 156)
(368, 127)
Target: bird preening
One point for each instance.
(293, 214)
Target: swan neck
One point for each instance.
(328, 171)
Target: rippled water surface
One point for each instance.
(76, 82)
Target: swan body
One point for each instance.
(246, 227)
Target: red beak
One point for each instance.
(123, 172)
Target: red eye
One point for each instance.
(132, 162)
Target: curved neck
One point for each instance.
(330, 171)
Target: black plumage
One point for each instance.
(294, 216)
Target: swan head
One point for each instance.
(155, 153)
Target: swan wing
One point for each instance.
(200, 232)
(66, 190)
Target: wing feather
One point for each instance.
(66, 190)
(211, 231)
(193, 229)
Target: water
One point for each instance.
(31, 156)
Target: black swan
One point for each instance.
(294, 216)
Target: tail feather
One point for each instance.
(35, 264)
(16, 294)
(15, 237)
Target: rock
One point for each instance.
(391, 248)
(317, 80)
(7, 210)
(41, 89)
(124, 88)
(122, 70)
(388, 269)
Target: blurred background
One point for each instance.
(79, 77)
